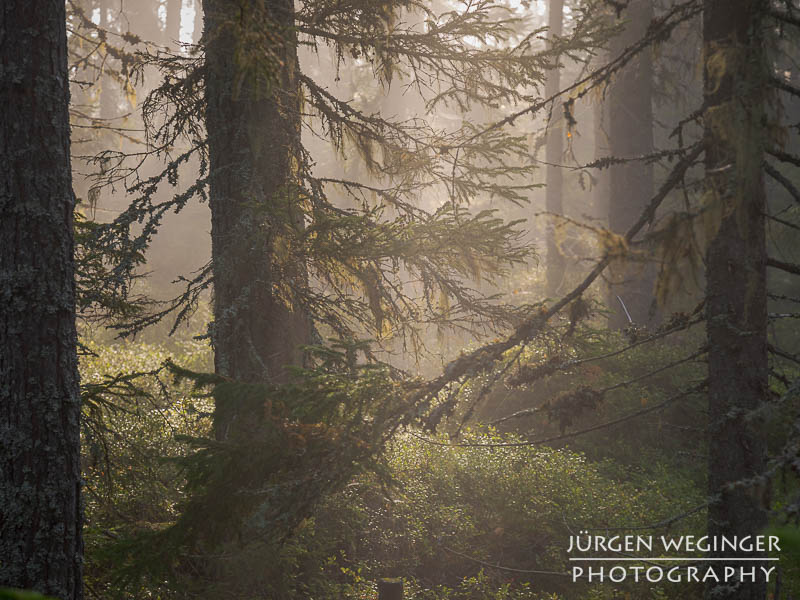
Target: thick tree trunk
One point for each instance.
(554, 153)
(736, 76)
(630, 185)
(253, 121)
(40, 510)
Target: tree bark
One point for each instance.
(735, 77)
(253, 122)
(630, 185)
(554, 153)
(40, 510)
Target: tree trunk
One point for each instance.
(40, 509)
(554, 153)
(600, 191)
(253, 137)
(600, 132)
(197, 32)
(141, 18)
(109, 96)
(736, 76)
(173, 25)
(630, 184)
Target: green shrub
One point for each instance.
(456, 511)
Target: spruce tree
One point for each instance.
(253, 123)
(736, 83)
(40, 500)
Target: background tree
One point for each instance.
(172, 26)
(736, 73)
(554, 155)
(630, 135)
(40, 505)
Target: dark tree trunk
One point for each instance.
(253, 135)
(736, 75)
(554, 153)
(40, 509)
(630, 185)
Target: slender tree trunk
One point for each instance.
(630, 112)
(554, 153)
(600, 126)
(736, 76)
(253, 137)
(40, 509)
(141, 18)
(108, 95)
(173, 25)
(198, 22)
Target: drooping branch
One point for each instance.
(482, 358)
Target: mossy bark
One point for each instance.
(40, 509)
(736, 74)
(253, 122)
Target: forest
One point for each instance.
(414, 299)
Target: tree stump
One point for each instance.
(390, 589)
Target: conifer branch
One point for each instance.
(784, 181)
(784, 86)
(482, 358)
(785, 157)
(573, 434)
(784, 17)
(783, 222)
(792, 268)
(602, 392)
(658, 31)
